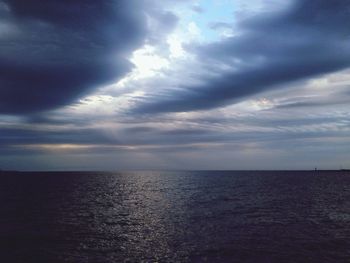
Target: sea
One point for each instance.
(175, 216)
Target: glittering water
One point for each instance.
(175, 217)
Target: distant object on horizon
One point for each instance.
(344, 169)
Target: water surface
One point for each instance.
(175, 217)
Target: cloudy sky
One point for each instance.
(174, 84)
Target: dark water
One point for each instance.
(175, 217)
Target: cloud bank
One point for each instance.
(267, 51)
(53, 52)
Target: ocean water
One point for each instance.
(175, 217)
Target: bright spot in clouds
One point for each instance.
(147, 62)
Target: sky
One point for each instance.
(185, 84)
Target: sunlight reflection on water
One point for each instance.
(175, 217)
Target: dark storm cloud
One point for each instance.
(309, 39)
(53, 51)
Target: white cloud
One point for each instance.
(147, 62)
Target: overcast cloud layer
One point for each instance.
(191, 84)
